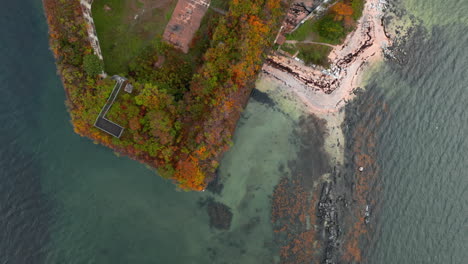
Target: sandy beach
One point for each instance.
(328, 90)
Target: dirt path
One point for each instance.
(218, 10)
(310, 42)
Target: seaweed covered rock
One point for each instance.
(219, 213)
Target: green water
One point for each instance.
(113, 210)
(80, 203)
(64, 199)
(423, 148)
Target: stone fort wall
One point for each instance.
(92, 35)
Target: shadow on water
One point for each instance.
(262, 98)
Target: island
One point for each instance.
(165, 82)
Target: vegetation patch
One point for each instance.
(314, 54)
(358, 7)
(289, 48)
(305, 31)
(126, 27)
(330, 30)
(184, 108)
(92, 64)
(333, 26)
(221, 4)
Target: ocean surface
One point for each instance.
(64, 199)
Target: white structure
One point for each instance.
(93, 39)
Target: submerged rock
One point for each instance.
(215, 186)
(219, 213)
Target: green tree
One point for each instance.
(331, 30)
(92, 65)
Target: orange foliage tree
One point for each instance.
(342, 11)
(182, 123)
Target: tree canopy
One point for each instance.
(92, 64)
(183, 110)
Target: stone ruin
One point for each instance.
(185, 22)
(297, 13)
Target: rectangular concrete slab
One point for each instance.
(109, 127)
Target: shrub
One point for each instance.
(315, 54)
(358, 6)
(331, 30)
(92, 65)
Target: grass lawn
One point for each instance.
(289, 48)
(304, 32)
(309, 53)
(325, 30)
(331, 27)
(222, 4)
(314, 54)
(127, 27)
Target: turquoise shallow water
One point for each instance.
(65, 200)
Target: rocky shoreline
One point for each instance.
(324, 211)
(333, 214)
(328, 213)
(328, 90)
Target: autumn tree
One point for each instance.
(183, 110)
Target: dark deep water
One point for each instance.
(26, 70)
(422, 149)
(66, 200)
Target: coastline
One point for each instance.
(339, 204)
(182, 132)
(327, 91)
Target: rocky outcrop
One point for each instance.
(314, 78)
(328, 212)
